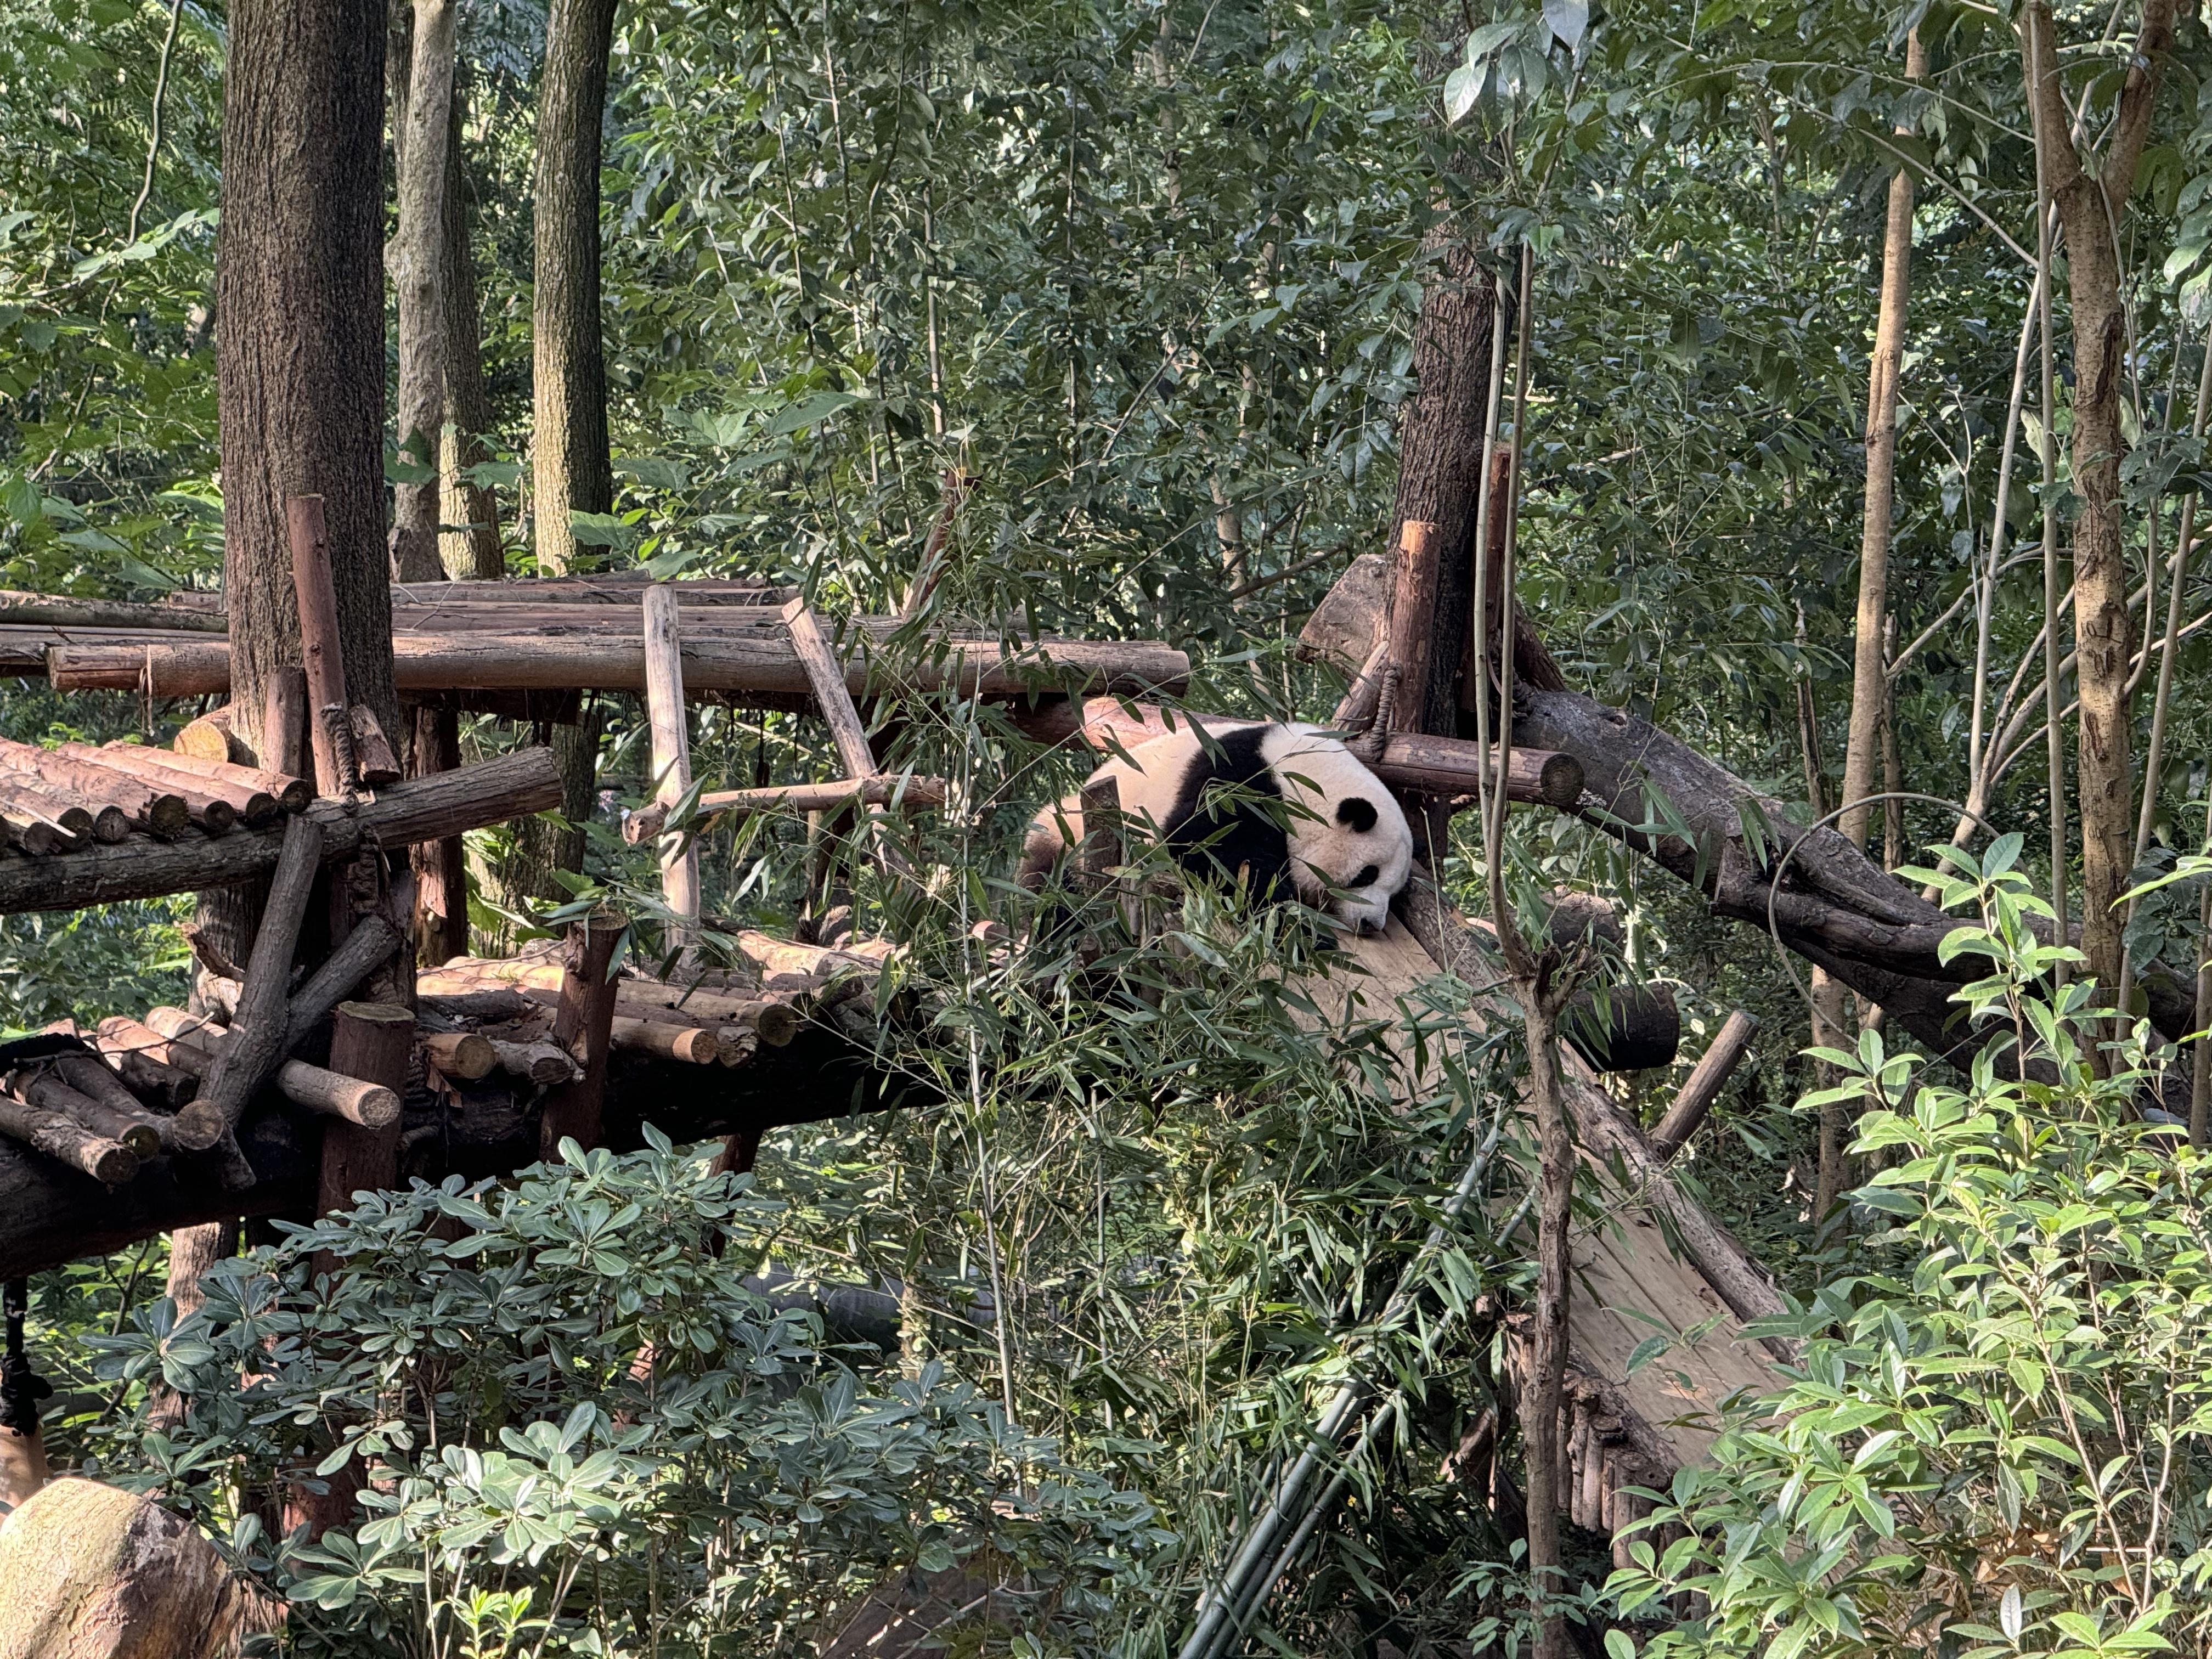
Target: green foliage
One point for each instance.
(2001, 1436)
(580, 1427)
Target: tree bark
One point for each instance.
(1863, 750)
(418, 271)
(573, 472)
(473, 551)
(300, 352)
(2091, 208)
(1440, 463)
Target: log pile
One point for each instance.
(99, 1161)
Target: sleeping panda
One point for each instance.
(1337, 840)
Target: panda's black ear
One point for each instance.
(1356, 813)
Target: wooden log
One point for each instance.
(1450, 766)
(26, 819)
(193, 1042)
(421, 809)
(1345, 628)
(89, 1075)
(210, 737)
(1412, 621)
(736, 1045)
(44, 1087)
(76, 819)
(63, 1139)
(539, 1063)
(321, 653)
(614, 590)
(118, 773)
(248, 798)
(366, 949)
(694, 1045)
(284, 746)
(147, 1074)
(290, 794)
(526, 662)
(671, 753)
(261, 1029)
(96, 1572)
(62, 611)
(441, 869)
(1623, 1028)
(583, 1025)
(904, 793)
(1704, 1085)
(775, 1023)
(463, 1054)
(373, 752)
(826, 678)
(371, 1042)
(157, 811)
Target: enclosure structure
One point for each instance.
(323, 1062)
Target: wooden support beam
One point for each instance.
(371, 1043)
(1412, 625)
(1703, 1085)
(322, 657)
(583, 1025)
(904, 793)
(442, 868)
(827, 678)
(671, 754)
(60, 611)
(741, 665)
(261, 1026)
(192, 1044)
(422, 809)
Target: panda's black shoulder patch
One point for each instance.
(1357, 813)
(1227, 817)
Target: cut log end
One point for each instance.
(467, 1055)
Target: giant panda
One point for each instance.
(1284, 807)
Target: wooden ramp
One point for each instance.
(1623, 1428)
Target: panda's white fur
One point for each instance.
(1338, 838)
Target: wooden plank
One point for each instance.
(671, 754)
(422, 809)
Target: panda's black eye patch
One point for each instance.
(1366, 877)
(1357, 813)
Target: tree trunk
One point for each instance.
(472, 553)
(541, 849)
(1862, 752)
(1440, 462)
(573, 472)
(2091, 210)
(300, 289)
(418, 269)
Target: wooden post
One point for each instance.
(284, 746)
(671, 753)
(262, 1023)
(370, 1042)
(322, 659)
(1413, 620)
(441, 869)
(1703, 1085)
(583, 1025)
(827, 677)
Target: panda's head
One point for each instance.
(1351, 851)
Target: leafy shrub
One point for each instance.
(2001, 1442)
(583, 1433)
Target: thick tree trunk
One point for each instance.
(1440, 461)
(1862, 753)
(300, 292)
(540, 847)
(573, 472)
(2092, 207)
(418, 271)
(472, 553)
